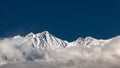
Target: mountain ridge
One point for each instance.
(48, 40)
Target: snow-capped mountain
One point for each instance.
(34, 46)
(88, 42)
(45, 40)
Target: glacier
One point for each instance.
(43, 50)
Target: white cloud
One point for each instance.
(26, 56)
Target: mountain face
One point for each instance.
(45, 40)
(34, 47)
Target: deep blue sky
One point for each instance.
(67, 19)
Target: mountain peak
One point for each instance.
(30, 35)
(45, 40)
(45, 32)
(80, 40)
(89, 38)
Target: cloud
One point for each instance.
(19, 55)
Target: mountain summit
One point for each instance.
(45, 40)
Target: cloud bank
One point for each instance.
(13, 54)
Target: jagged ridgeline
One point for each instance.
(46, 40)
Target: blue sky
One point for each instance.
(67, 19)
